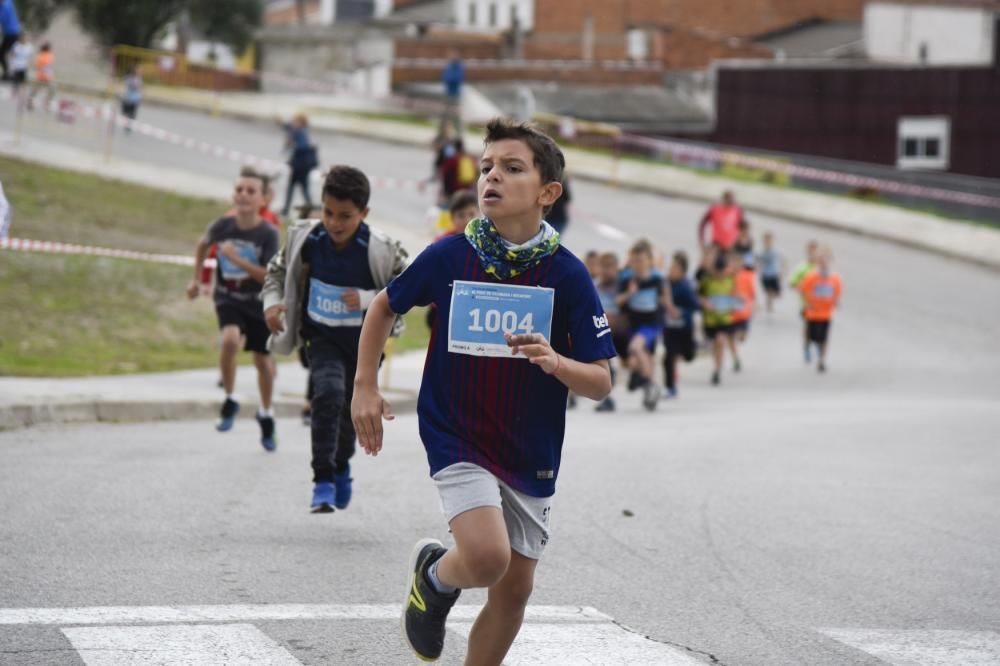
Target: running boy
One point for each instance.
(802, 270)
(821, 291)
(318, 288)
(246, 243)
(606, 283)
(745, 291)
(493, 398)
(716, 290)
(771, 268)
(678, 332)
(643, 299)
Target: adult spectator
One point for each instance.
(11, 27)
(302, 160)
(453, 77)
(724, 218)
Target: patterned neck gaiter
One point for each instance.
(504, 262)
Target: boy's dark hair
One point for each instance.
(681, 259)
(462, 199)
(592, 254)
(641, 246)
(250, 172)
(548, 160)
(345, 183)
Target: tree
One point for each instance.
(231, 22)
(139, 22)
(36, 15)
(136, 22)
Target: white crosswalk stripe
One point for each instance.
(161, 635)
(192, 645)
(924, 647)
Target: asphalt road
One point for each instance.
(782, 518)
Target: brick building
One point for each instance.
(685, 34)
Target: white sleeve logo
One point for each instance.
(601, 323)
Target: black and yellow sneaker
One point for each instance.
(425, 609)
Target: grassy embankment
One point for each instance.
(77, 315)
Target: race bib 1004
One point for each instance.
(327, 307)
(481, 313)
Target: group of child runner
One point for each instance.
(649, 300)
(518, 324)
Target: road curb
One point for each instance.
(26, 415)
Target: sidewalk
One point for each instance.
(189, 394)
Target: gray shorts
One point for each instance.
(465, 486)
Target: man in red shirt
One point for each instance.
(724, 218)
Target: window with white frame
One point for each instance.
(472, 13)
(923, 142)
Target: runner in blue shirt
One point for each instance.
(315, 295)
(519, 323)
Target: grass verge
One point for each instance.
(77, 316)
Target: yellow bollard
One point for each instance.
(387, 363)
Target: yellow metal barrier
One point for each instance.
(168, 68)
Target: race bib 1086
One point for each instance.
(481, 313)
(326, 305)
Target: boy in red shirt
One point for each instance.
(821, 291)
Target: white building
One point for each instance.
(493, 15)
(931, 34)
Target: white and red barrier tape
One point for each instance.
(106, 112)
(53, 247)
(679, 152)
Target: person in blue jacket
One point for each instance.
(303, 158)
(11, 27)
(453, 77)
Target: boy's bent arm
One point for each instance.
(200, 252)
(368, 407)
(591, 380)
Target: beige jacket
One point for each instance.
(286, 279)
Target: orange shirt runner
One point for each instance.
(43, 67)
(746, 290)
(821, 294)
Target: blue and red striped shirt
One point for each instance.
(503, 414)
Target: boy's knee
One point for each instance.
(513, 595)
(264, 364)
(327, 393)
(230, 341)
(487, 564)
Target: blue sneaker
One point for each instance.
(267, 437)
(606, 405)
(322, 501)
(230, 408)
(343, 480)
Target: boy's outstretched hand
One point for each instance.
(368, 408)
(536, 348)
